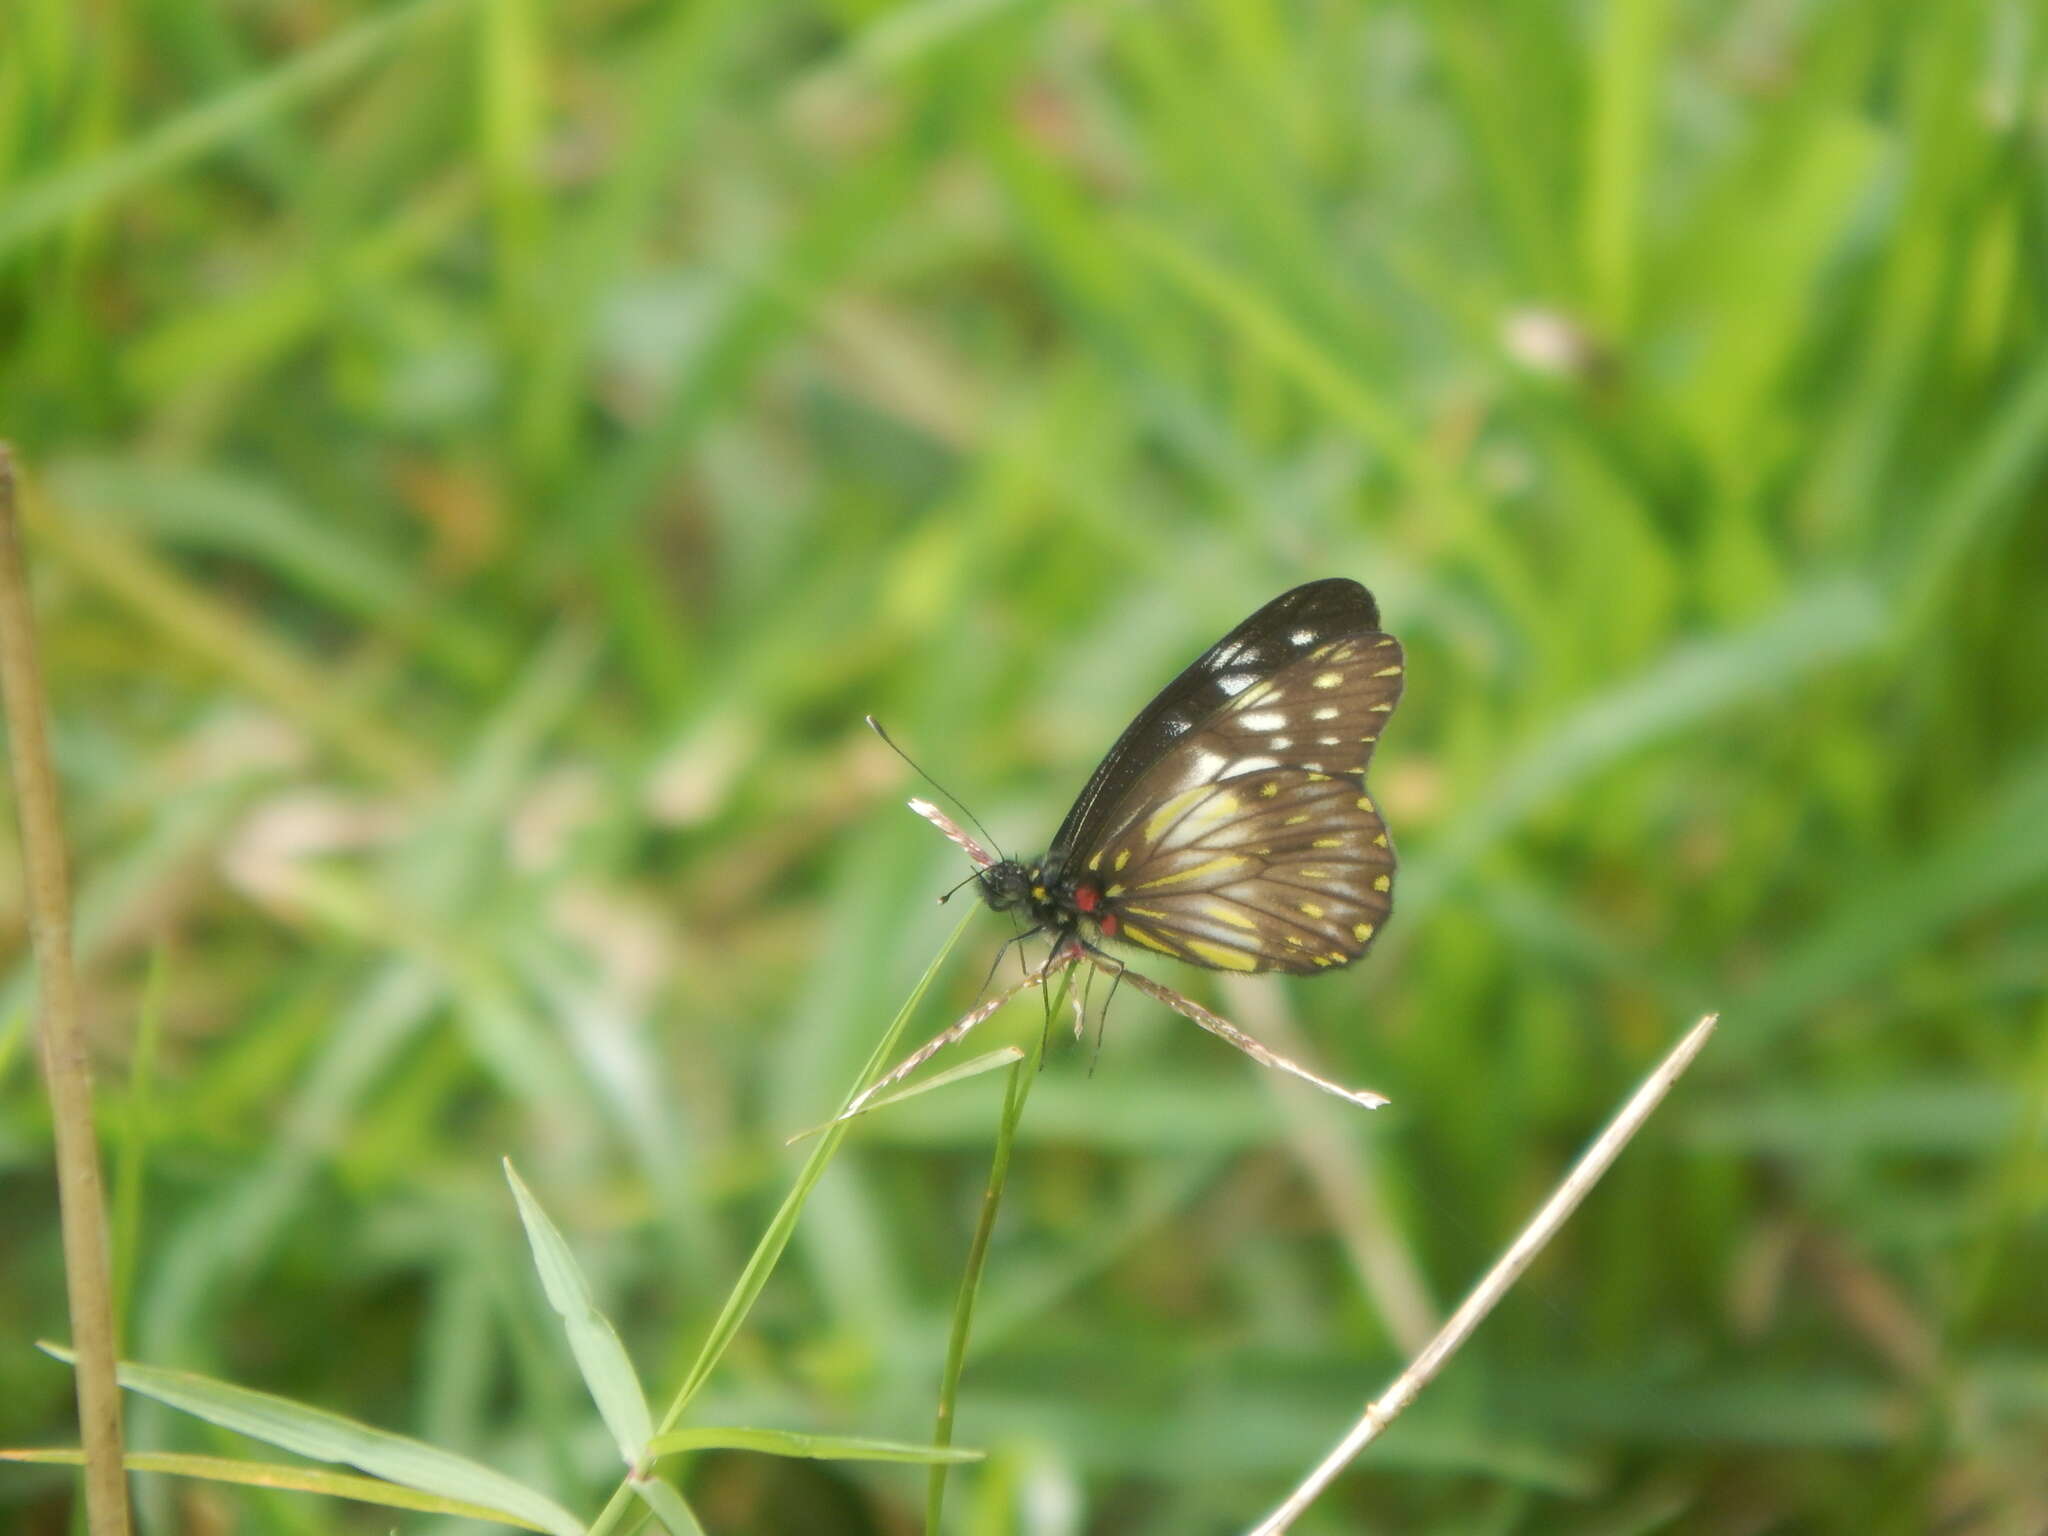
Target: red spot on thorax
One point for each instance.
(1109, 925)
(1086, 897)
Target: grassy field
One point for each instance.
(484, 456)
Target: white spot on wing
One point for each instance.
(1303, 637)
(1234, 683)
(1264, 720)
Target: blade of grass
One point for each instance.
(1814, 629)
(971, 1068)
(607, 1370)
(293, 1479)
(31, 210)
(1619, 132)
(131, 1172)
(1990, 482)
(783, 1442)
(294, 684)
(668, 1506)
(322, 1436)
(1022, 1076)
(776, 1238)
(768, 1252)
(1998, 853)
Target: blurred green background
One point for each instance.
(486, 455)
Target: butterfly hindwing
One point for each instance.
(1251, 843)
(1277, 869)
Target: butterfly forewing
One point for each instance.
(1217, 683)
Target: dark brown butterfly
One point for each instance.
(1230, 825)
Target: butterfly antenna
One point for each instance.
(887, 741)
(959, 885)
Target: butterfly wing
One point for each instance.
(1280, 869)
(1224, 679)
(1280, 861)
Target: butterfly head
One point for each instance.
(1011, 885)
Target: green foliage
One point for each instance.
(484, 457)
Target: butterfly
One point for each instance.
(1229, 827)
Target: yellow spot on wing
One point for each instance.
(1124, 855)
(1295, 821)
(1393, 671)
(1130, 931)
(1038, 893)
(1147, 912)
(1382, 883)
(1095, 859)
(1221, 862)
(1171, 812)
(1222, 956)
(1361, 931)
(1329, 679)
(1364, 804)
(1270, 788)
(1228, 912)
(1328, 842)
(1113, 891)
(1311, 908)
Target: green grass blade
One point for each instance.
(971, 1068)
(602, 1359)
(1620, 132)
(79, 189)
(1992, 857)
(783, 1442)
(769, 1250)
(322, 1436)
(1022, 1076)
(131, 1172)
(668, 1506)
(288, 1478)
(1814, 630)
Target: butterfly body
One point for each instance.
(1053, 904)
(1230, 825)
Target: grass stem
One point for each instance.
(81, 1199)
(1499, 1280)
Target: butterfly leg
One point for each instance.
(1264, 1055)
(1061, 957)
(1003, 949)
(1102, 960)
